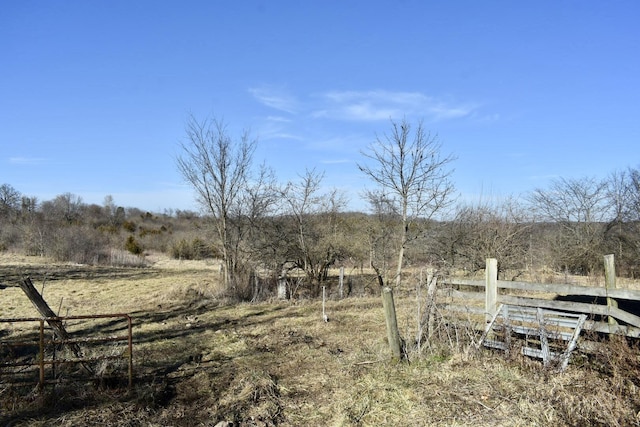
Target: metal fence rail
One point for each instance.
(43, 342)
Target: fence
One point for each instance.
(622, 320)
(29, 346)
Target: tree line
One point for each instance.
(261, 228)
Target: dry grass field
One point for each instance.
(200, 359)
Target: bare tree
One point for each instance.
(219, 170)
(316, 243)
(579, 208)
(34, 228)
(381, 230)
(488, 230)
(64, 209)
(9, 201)
(634, 200)
(257, 202)
(622, 234)
(408, 168)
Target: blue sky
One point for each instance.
(94, 95)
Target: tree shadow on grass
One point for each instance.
(156, 371)
(12, 275)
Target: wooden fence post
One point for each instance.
(432, 280)
(419, 312)
(341, 283)
(324, 297)
(610, 283)
(392, 323)
(491, 289)
(282, 285)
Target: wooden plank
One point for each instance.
(580, 307)
(454, 293)
(491, 291)
(573, 343)
(554, 288)
(624, 316)
(467, 282)
(534, 331)
(563, 323)
(495, 344)
(555, 305)
(489, 326)
(602, 327)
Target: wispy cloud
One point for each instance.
(275, 127)
(381, 105)
(486, 118)
(278, 119)
(281, 135)
(275, 98)
(29, 161)
(335, 161)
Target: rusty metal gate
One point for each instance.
(29, 346)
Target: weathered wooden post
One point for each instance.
(282, 285)
(341, 283)
(428, 318)
(282, 288)
(432, 280)
(392, 323)
(610, 283)
(324, 313)
(419, 312)
(491, 289)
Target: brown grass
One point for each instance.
(200, 360)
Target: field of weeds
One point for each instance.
(200, 360)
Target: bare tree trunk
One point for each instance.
(403, 239)
(432, 280)
(399, 269)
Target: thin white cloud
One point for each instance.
(335, 161)
(275, 98)
(29, 161)
(487, 118)
(274, 128)
(381, 105)
(282, 135)
(278, 119)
